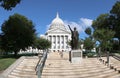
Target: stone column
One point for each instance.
(67, 41)
(51, 41)
(64, 42)
(56, 42)
(49, 38)
(60, 41)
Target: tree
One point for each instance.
(104, 36)
(115, 19)
(17, 33)
(42, 43)
(103, 32)
(9, 4)
(115, 45)
(89, 43)
(88, 31)
(101, 22)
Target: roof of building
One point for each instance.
(57, 23)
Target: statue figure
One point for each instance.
(75, 38)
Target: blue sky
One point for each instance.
(79, 13)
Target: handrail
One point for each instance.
(116, 56)
(40, 64)
(37, 65)
(39, 56)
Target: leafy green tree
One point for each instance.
(42, 43)
(104, 36)
(102, 30)
(9, 4)
(88, 31)
(89, 43)
(101, 22)
(115, 20)
(17, 33)
(115, 45)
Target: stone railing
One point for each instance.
(40, 64)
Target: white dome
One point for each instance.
(57, 23)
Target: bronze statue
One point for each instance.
(75, 38)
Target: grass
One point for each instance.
(6, 62)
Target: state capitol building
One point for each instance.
(58, 35)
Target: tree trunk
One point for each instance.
(108, 58)
(99, 53)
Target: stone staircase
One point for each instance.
(113, 62)
(57, 67)
(26, 69)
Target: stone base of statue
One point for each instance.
(75, 56)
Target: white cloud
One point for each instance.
(81, 25)
(72, 25)
(87, 22)
(48, 26)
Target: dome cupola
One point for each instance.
(57, 23)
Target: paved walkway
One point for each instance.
(57, 67)
(26, 69)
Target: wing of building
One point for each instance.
(58, 35)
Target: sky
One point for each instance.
(76, 13)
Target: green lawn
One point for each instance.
(6, 62)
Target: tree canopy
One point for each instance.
(110, 22)
(102, 30)
(115, 19)
(17, 33)
(42, 43)
(88, 31)
(9, 4)
(89, 43)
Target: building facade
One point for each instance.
(58, 35)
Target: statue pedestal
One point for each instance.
(75, 56)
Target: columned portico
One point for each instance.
(59, 42)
